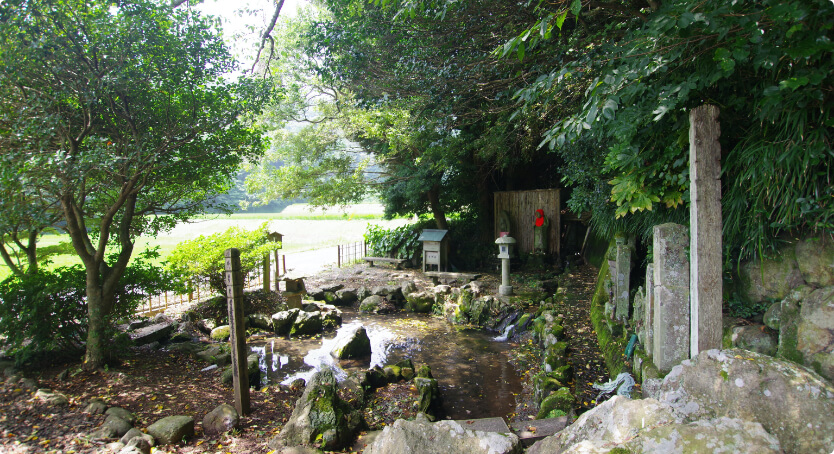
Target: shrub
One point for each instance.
(47, 311)
(203, 258)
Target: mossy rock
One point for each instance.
(424, 371)
(544, 385)
(561, 400)
(523, 322)
(562, 374)
(429, 402)
(392, 373)
(558, 331)
(221, 333)
(555, 356)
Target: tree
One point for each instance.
(766, 64)
(414, 94)
(137, 127)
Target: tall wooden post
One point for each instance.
(267, 275)
(705, 296)
(237, 335)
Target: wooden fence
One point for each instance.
(351, 253)
(521, 207)
(202, 292)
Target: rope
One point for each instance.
(623, 384)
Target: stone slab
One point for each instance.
(152, 333)
(532, 431)
(496, 425)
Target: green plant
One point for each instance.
(400, 241)
(737, 307)
(203, 258)
(47, 312)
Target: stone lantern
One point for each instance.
(505, 244)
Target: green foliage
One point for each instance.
(46, 312)
(763, 63)
(737, 307)
(203, 257)
(122, 117)
(399, 241)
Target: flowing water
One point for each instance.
(472, 369)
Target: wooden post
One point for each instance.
(705, 297)
(267, 276)
(237, 335)
(277, 269)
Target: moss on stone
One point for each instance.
(619, 450)
(562, 400)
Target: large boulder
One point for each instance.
(282, 322)
(650, 426)
(757, 338)
(320, 416)
(221, 333)
(790, 402)
(614, 421)
(222, 419)
(352, 343)
(445, 437)
(420, 302)
(815, 331)
(719, 435)
(346, 297)
(815, 257)
(372, 303)
(307, 323)
(260, 321)
(172, 429)
(771, 278)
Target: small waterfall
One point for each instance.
(381, 342)
(508, 333)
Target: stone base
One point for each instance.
(293, 299)
(505, 290)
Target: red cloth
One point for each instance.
(539, 218)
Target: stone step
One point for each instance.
(532, 431)
(496, 425)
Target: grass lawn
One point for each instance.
(303, 229)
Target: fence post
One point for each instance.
(237, 336)
(265, 280)
(705, 229)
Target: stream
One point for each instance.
(474, 374)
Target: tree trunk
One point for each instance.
(94, 356)
(102, 279)
(436, 209)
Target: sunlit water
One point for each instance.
(472, 369)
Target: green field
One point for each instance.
(303, 230)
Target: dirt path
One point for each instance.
(585, 355)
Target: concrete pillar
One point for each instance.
(671, 294)
(621, 295)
